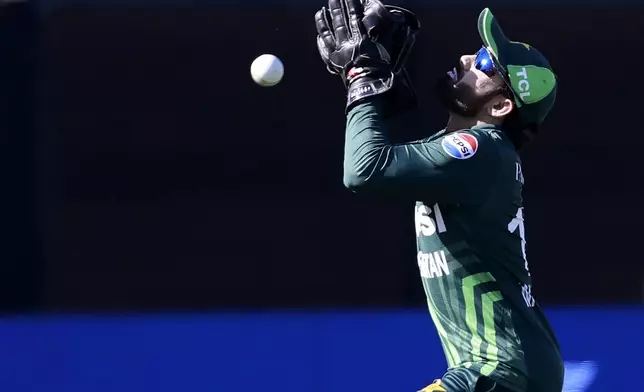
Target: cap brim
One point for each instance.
(491, 32)
(497, 43)
(525, 70)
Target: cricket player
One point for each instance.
(467, 182)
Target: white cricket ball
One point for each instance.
(267, 70)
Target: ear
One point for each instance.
(500, 107)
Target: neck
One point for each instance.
(457, 123)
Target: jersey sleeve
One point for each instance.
(458, 167)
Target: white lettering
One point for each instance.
(515, 223)
(519, 172)
(518, 223)
(433, 264)
(425, 225)
(439, 219)
(523, 73)
(433, 271)
(524, 84)
(526, 291)
(441, 260)
(423, 264)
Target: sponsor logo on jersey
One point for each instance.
(433, 264)
(460, 145)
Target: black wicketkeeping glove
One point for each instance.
(393, 27)
(356, 40)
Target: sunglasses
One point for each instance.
(484, 62)
(487, 64)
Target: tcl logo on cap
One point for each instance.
(460, 145)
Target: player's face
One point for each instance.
(469, 87)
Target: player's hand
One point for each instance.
(362, 63)
(349, 35)
(393, 27)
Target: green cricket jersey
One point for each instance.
(470, 241)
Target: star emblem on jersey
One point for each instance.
(460, 145)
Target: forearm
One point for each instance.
(373, 162)
(366, 143)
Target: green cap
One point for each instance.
(530, 76)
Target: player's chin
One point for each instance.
(457, 98)
(447, 92)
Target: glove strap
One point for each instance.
(365, 87)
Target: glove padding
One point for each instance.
(393, 27)
(349, 43)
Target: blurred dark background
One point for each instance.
(143, 169)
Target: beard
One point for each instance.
(460, 98)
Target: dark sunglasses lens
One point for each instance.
(484, 62)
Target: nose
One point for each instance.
(467, 61)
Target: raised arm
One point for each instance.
(456, 167)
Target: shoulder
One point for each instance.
(470, 144)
